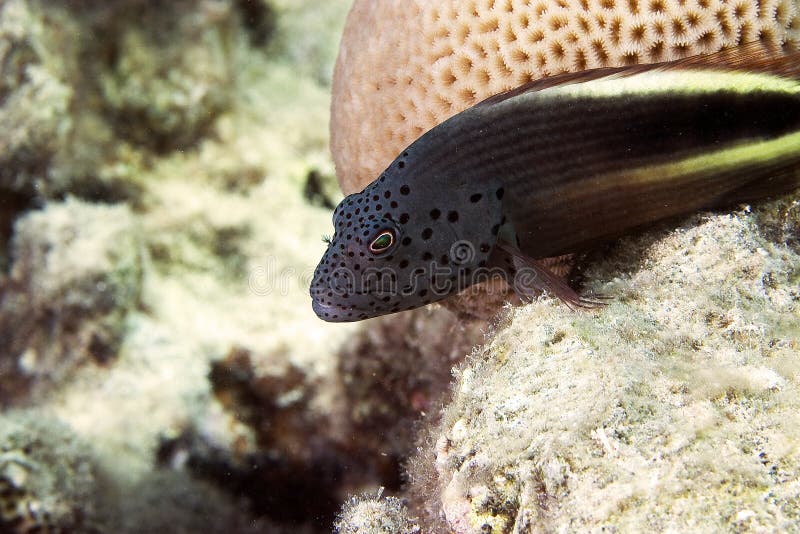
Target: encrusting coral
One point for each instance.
(405, 66)
(675, 408)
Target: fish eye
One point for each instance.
(382, 242)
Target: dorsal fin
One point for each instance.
(753, 57)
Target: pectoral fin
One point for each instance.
(531, 278)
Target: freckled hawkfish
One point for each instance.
(557, 166)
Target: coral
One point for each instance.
(34, 101)
(404, 67)
(76, 273)
(673, 408)
(47, 477)
(372, 514)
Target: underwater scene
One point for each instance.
(399, 266)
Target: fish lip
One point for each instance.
(332, 310)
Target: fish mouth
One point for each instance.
(334, 314)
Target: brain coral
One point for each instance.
(406, 65)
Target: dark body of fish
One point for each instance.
(563, 164)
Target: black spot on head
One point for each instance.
(406, 241)
(427, 256)
(500, 193)
(375, 197)
(445, 260)
(405, 190)
(427, 233)
(423, 292)
(401, 164)
(393, 204)
(435, 214)
(485, 248)
(404, 218)
(378, 207)
(452, 216)
(475, 198)
(495, 229)
(403, 264)
(387, 194)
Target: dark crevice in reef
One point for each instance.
(291, 492)
(298, 474)
(315, 192)
(259, 19)
(12, 205)
(284, 492)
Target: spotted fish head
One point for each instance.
(399, 245)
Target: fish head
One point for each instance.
(397, 247)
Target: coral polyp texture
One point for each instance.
(405, 66)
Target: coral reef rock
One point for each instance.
(76, 273)
(674, 408)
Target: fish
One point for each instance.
(557, 166)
